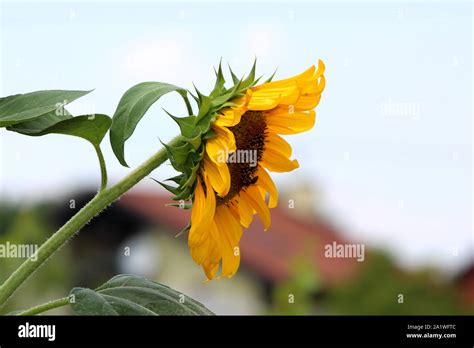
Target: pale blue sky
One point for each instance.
(391, 153)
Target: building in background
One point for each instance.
(283, 271)
(267, 258)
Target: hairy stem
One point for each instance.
(46, 307)
(83, 216)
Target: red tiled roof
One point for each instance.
(465, 285)
(269, 254)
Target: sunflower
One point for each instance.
(232, 183)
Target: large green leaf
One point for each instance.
(25, 107)
(90, 127)
(130, 110)
(134, 295)
(41, 123)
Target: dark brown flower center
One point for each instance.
(249, 136)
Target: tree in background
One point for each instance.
(379, 288)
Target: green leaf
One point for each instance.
(134, 295)
(89, 127)
(130, 110)
(25, 107)
(41, 123)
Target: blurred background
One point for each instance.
(388, 165)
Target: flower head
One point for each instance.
(236, 142)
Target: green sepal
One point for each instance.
(185, 206)
(172, 189)
(196, 141)
(196, 130)
(198, 96)
(178, 155)
(250, 79)
(203, 107)
(220, 81)
(228, 104)
(186, 124)
(195, 97)
(191, 178)
(231, 93)
(184, 194)
(271, 76)
(204, 125)
(176, 179)
(184, 230)
(209, 135)
(235, 79)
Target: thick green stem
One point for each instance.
(46, 306)
(83, 216)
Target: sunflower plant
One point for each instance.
(228, 143)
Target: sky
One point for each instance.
(390, 157)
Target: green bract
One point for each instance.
(196, 129)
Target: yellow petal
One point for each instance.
(230, 232)
(266, 182)
(313, 86)
(229, 117)
(301, 77)
(282, 121)
(222, 144)
(263, 103)
(209, 251)
(321, 84)
(202, 212)
(253, 196)
(219, 176)
(276, 162)
(210, 269)
(321, 69)
(308, 102)
(287, 95)
(245, 211)
(277, 144)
